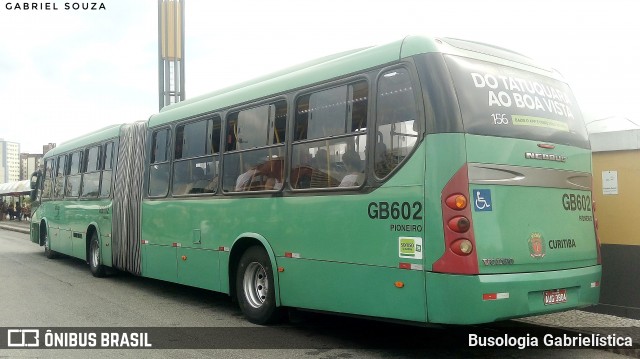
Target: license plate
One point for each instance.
(555, 296)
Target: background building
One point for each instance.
(9, 161)
(29, 163)
(48, 147)
(616, 175)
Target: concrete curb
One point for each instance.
(15, 228)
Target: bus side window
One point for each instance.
(255, 148)
(91, 174)
(195, 165)
(330, 124)
(72, 188)
(47, 185)
(106, 166)
(396, 120)
(159, 166)
(58, 190)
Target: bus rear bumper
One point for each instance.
(472, 299)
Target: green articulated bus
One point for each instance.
(426, 180)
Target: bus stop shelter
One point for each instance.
(15, 189)
(12, 189)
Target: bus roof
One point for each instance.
(111, 131)
(334, 66)
(301, 75)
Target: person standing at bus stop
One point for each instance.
(26, 212)
(10, 211)
(17, 211)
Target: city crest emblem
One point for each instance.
(536, 245)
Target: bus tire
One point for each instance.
(97, 269)
(47, 246)
(255, 288)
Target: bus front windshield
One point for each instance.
(497, 100)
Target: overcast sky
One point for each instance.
(64, 73)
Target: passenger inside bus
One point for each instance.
(158, 180)
(321, 175)
(181, 181)
(199, 182)
(301, 172)
(244, 179)
(270, 173)
(353, 165)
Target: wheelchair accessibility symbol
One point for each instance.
(482, 200)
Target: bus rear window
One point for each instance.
(497, 100)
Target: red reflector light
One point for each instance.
(288, 254)
(495, 296)
(546, 145)
(459, 224)
(457, 202)
(490, 296)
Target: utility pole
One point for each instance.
(170, 51)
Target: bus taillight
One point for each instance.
(459, 256)
(462, 247)
(459, 224)
(456, 201)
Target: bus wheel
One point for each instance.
(97, 269)
(47, 247)
(254, 287)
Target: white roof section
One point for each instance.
(15, 188)
(614, 134)
(612, 124)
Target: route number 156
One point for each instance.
(500, 119)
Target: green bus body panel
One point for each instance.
(504, 232)
(193, 262)
(68, 223)
(354, 289)
(500, 150)
(520, 213)
(159, 262)
(320, 228)
(104, 239)
(457, 299)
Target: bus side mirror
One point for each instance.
(34, 184)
